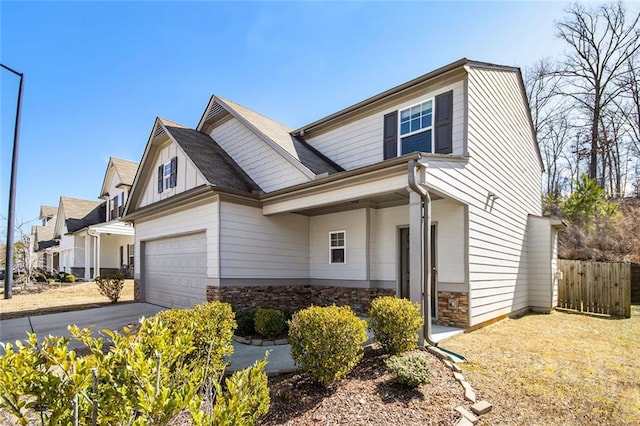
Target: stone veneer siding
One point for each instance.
(296, 297)
(453, 317)
(136, 290)
(78, 271)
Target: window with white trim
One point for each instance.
(416, 128)
(337, 247)
(168, 175)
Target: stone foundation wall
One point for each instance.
(456, 316)
(136, 290)
(296, 297)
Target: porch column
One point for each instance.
(87, 257)
(415, 250)
(96, 269)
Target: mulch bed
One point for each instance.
(367, 396)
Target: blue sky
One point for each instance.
(98, 73)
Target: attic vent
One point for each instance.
(159, 132)
(215, 110)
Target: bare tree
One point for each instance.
(602, 43)
(549, 115)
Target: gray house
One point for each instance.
(246, 210)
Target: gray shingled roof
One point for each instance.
(126, 170)
(48, 211)
(44, 236)
(281, 135)
(82, 213)
(213, 162)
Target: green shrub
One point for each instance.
(269, 322)
(142, 378)
(110, 286)
(327, 341)
(243, 400)
(411, 369)
(69, 278)
(246, 323)
(395, 323)
(211, 324)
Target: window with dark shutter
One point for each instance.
(390, 145)
(443, 123)
(160, 178)
(174, 172)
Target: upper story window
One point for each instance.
(416, 128)
(114, 208)
(425, 127)
(337, 247)
(168, 175)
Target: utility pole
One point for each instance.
(8, 273)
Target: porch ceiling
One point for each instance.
(114, 228)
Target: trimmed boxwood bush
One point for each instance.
(269, 322)
(327, 341)
(69, 278)
(411, 369)
(395, 323)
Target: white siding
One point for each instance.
(195, 219)
(503, 160)
(269, 169)
(112, 180)
(188, 176)
(354, 223)
(540, 272)
(257, 246)
(110, 249)
(449, 219)
(359, 143)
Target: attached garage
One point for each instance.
(175, 271)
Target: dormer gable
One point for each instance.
(178, 159)
(116, 184)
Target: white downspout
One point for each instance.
(425, 272)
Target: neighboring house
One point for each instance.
(246, 210)
(42, 237)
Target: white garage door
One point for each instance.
(175, 271)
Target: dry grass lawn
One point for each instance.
(61, 298)
(556, 369)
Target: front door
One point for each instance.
(404, 246)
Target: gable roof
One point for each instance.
(79, 213)
(294, 149)
(43, 237)
(217, 167)
(47, 211)
(125, 169)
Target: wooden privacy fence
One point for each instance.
(595, 287)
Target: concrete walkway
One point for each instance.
(120, 315)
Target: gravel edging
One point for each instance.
(259, 342)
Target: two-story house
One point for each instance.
(430, 190)
(92, 238)
(42, 237)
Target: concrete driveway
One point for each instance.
(110, 317)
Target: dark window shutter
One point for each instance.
(160, 176)
(390, 145)
(443, 121)
(116, 210)
(174, 171)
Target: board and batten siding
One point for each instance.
(499, 131)
(450, 260)
(254, 246)
(359, 143)
(188, 176)
(196, 219)
(269, 169)
(354, 223)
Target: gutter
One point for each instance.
(425, 274)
